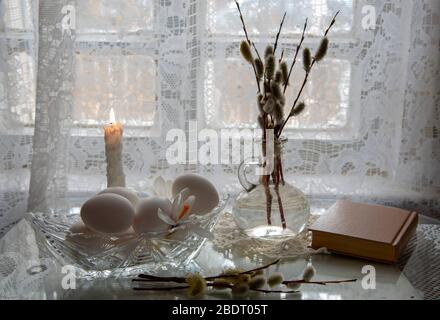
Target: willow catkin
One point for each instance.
(284, 72)
(268, 51)
(275, 89)
(269, 105)
(245, 51)
(240, 289)
(275, 279)
(298, 109)
(266, 86)
(196, 285)
(278, 113)
(259, 67)
(307, 59)
(257, 282)
(308, 273)
(270, 66)
(278, 76)
(322, 49)
(282, 100)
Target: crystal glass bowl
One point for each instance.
(102, 256)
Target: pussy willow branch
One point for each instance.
(262, 267)
(210, 285)
(256, 51)
(144, 278)
(286, 282)
(305, 80)
(278, 34)
(242, 22)
(298, 48)
(250, 43)
(259, 57)
(322, 283)
(281, 57)
(151, 278)
(276, 176)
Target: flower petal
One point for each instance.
(185, 193)
(177, 204)
(165, 218)
(185, 210)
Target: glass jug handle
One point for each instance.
(242, 168)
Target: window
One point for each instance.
(330, 94)
(114, 63)
(17, 77)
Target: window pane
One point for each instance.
(263, 16)
(230, 94)
(125, 83)
(114, 15)
(17, 83)
(16, 15)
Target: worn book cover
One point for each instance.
(364, 230)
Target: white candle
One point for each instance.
(113, 152)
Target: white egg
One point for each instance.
(206, 195)
(146, 219)
(108, 213)
(80, 234)
(127, 193)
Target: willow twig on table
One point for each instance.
(150, 278)
(322, 283)
(209, 284)
(262, 267)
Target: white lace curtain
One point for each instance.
(371, 131)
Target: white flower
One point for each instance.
(162, 187)
(180, 209)
(179, 218)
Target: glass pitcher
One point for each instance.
(250, 209)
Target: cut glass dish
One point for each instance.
(102, 256)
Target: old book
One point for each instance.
(366, 231)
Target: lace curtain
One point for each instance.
(371, 131)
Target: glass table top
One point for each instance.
(39, 283)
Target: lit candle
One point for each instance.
(113, 152)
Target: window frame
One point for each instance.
(147, 37)
(352, 39)
(28, 36)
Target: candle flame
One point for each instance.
(112, 116)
